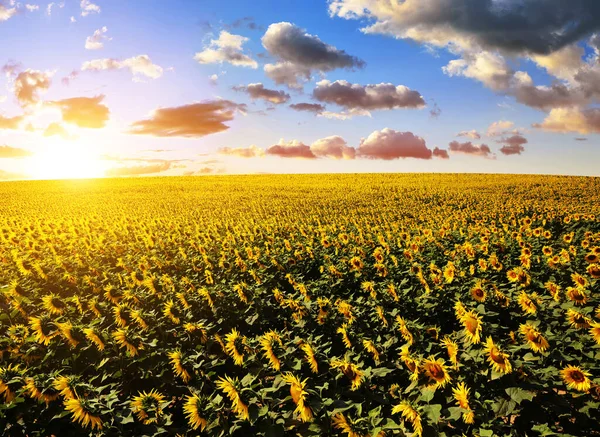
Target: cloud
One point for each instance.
(435, 111)
(286, 73)
(52, 5)
(489, 68)
(189, 121)
(247, 22)
(473, 134)
(468, 148)
(32, 8)
(10, 123)
(85, 112)
(332, 147)
(226, 48)
(509, 26)
(87, 8)
(29, 84)
(345, 115)
(389, 144)
(583, 121)
(96, 41)
(11, 68)
(242, 152)
(138, 65)
(580, 139)
(70, 78)
(258, 91)
(513, 145)
(7, 12)
(499, 128)
(291, 149)
(7, 175)
(13, 152)
(138, 170)
(214, 79)
(308, 107)
(367, 97)
(56, 129)
(441, 153)
(299, 53)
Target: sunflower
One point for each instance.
(472, 326)
(53, 304)
(148, 407)
(593, 270)
(404, 331)
(592, 258)
(93, 335)
(576, 378)
(381, 314)
(72, 334)
(234, 342)
(346, 426)
(231, 387)
(478, 292)
(410, 414)
(370, 347)
(343, 330)
(170, 311)
(449, 272)
(350, 370)
(461, 395)
(554, 290)
(435, 370)
(579, 281)
(576, 295)
(125, 340)
(498, 359)
(535, 340)
(192, 408)
(269, 341)
(577, 320)
(451, 349)
(37, 391)
(42, 328)
(82, 413)
(299, 396)
(410, 362)
(176, 357)
(519, 275)
(138, 317)
(9, 380)
(66, 386)
(309, 353)
(527, 304)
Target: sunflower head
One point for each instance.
(195, 412)
(576, 378)
(435, 370)
(497, 359)
(148, 407)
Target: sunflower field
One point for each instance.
(316, 305)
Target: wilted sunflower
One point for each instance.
(148, 407)
(370, 347)
(461, 395)
(411, 415)
(576, 378)
(176, 358)
(536, 341)
(435, 370)
(343, 331)
(404, 331)
(193, 407)
(472, 326)
(232, 388)
(498, 359)
(299, 396)
(345, 425)
(82, 413)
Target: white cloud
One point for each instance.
(227, 48)
(96, 41)
(138, 65)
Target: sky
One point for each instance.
(113, 88)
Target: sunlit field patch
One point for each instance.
(343, 305)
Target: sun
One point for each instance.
(65, 160)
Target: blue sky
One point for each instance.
(171, 33)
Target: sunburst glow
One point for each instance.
(65, 160)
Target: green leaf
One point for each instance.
(504, 407)
(433, 411)
(519, 395)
